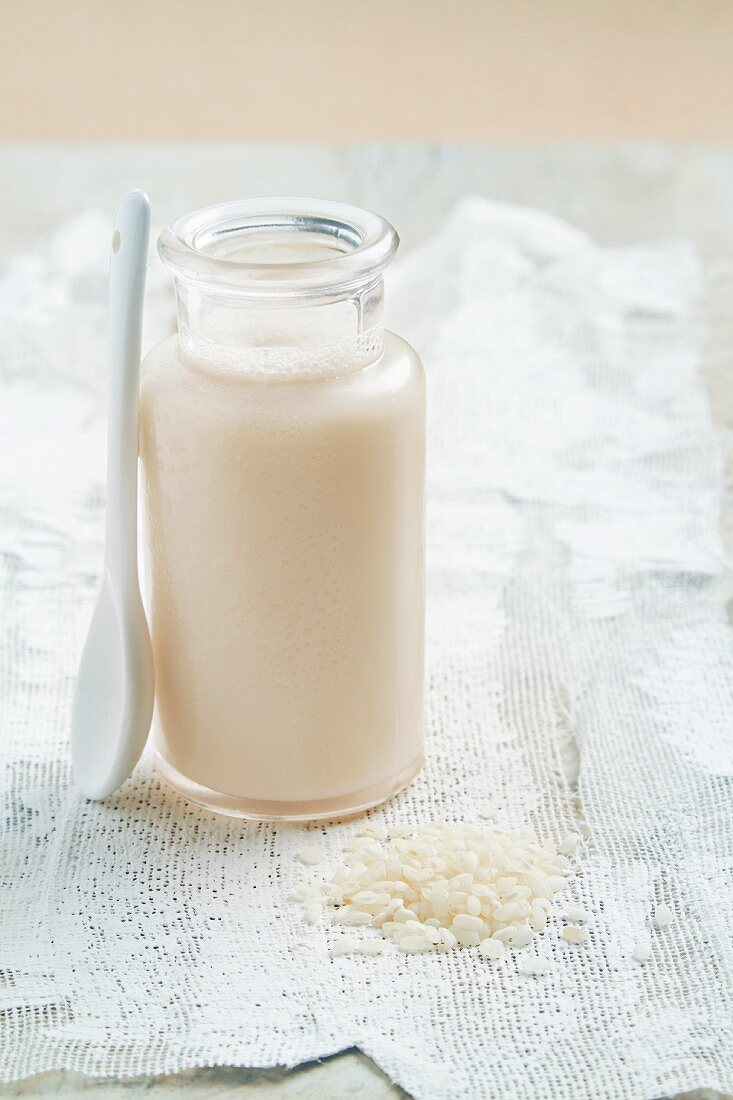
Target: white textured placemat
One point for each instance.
(580, 671)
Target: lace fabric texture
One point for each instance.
(580, 675)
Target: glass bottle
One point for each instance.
(283, 439)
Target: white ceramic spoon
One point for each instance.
(113, 705)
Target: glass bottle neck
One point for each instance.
(281, 339)
(279, 288)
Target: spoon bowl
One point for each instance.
(114, 696)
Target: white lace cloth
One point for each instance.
(580, 670)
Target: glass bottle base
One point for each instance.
(254, 809)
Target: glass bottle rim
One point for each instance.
(362, 245)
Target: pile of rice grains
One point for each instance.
(441, 887)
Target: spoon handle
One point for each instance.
(126, 289)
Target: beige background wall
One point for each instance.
(461, 70)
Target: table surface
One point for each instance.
(618, 194)
(470, 70)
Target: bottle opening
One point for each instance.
(279, 247)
